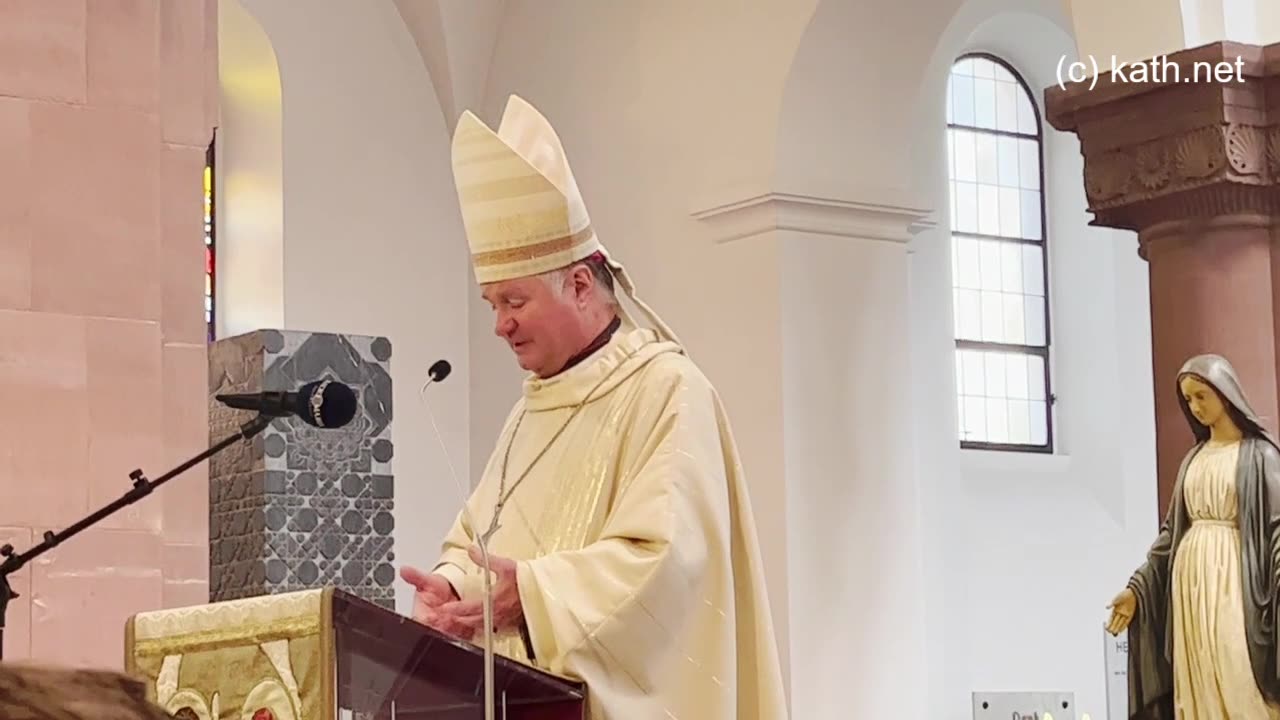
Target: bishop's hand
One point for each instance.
(465, 618)
(430, 592)
(1122, 609)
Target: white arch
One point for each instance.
(829, 142)
(456, 41)
(425, 24)
(250, 191)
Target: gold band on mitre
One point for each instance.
(555, 248)
(521, 207)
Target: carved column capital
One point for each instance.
(1188, 155)
(1198, 136)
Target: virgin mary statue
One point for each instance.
(1202, 641)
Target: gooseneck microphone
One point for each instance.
(324, 403)
(439, 370)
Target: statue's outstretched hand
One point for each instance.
(1122, 608)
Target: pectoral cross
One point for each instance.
(494, 524)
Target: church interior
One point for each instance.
(942, 260)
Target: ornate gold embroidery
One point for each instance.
(269, 657)
(546, 247)
(250, 615)
(194, 642)
(271, 696)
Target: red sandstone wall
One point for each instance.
(106, 109)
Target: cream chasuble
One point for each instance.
(638, 564)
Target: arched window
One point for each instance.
(999, 269)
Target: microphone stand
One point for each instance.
(141, 488)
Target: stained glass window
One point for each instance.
(999, 271)
(209, 235)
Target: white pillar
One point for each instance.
(856, 606)
(1251, 22)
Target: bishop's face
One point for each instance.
(1206, 406)
(538, 323)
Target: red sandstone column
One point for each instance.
(106, 109)
(1211, 291)
(1193, 167)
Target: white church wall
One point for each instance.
(250, 234)
(1136, 30)
(855, 545)
(1028, 549)
(1129, 31)
(372, 238)
(1255, 22)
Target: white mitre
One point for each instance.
(520, 204)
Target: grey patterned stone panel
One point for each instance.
(302, 507)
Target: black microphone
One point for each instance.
(439, 370)
(324, 403)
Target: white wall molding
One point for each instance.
(760, 212)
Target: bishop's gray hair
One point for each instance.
(604, 277)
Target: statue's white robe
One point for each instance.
(638, 563)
